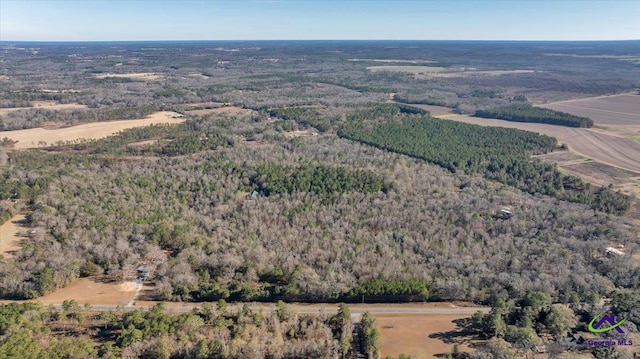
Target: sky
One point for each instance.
(142, 20)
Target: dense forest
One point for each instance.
(528, 113)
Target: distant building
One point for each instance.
(611, 250)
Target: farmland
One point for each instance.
(40, 137)
(604, 110)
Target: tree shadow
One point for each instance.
(461, 334)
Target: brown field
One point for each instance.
(149, 76)
(470, 73)
(605, 148)
(422, 336)
(603, 110)
(85, 290)
(228, 110)
(408, 69)
(600, 174)
(48, 105)
(9, 237)
(38, 137)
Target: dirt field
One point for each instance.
(605, 148)
(38, 137)
(85, 290)
(149, 76)
(408, 69)
(9, 240)
(605, 110)
(470, 73)
(422, 336)
(48, 105)
(228, 110)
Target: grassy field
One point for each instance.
(38, 137)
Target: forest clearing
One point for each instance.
(422, 336)
(86, 290)
(150, 76)
(9, 236)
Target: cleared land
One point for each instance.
(47, 105)
(9, 236)
(470, 73)
(421, 336)
(408, 69)
(229, 110)
(85, 290)
(150, 76)
(603, 110)
(38, 137)
(608, 149)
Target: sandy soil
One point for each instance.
(422, 336)
(32, 138)
(605, 148)
(48, 105)
(85, 290)
(134, 75)
(605, 110)
(9, 240)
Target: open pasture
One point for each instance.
(39, 137)
(603, 110)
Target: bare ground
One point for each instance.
(38, 137)
(229, 110)
(606, 110)
(421, 336)
(134, 75)
(85, 290)
(9, 236)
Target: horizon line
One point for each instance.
(324, 40)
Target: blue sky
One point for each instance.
(97, 20)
